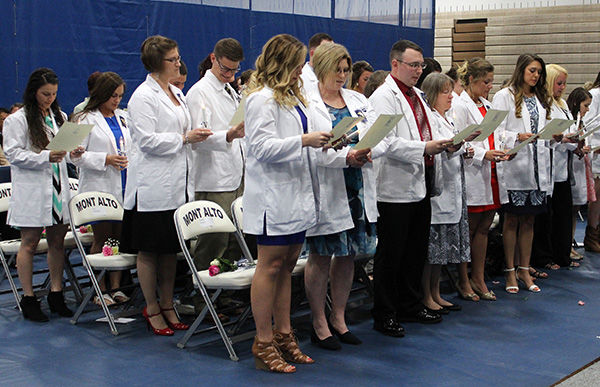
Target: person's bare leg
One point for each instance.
(55, 235)
(30, 237)
(340, 277)
(479, 250)
(509, 239)
(147, 268)
(283, 291)
(167, 266)
(525, 240)
(316, 274)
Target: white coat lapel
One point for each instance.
(406, 110)
(472, 108)
(105, 129)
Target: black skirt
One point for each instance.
(151, 232)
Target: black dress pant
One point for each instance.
(403, 238)
(552, 236)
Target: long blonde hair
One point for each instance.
(275, 66)
(552, 72)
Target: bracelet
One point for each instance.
(186, 140)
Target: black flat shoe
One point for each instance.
(31, 309)
(330, 343)
(423, 317)
(348, 337)
(388, 327)
(56, 301)
(453, 307)
(443, 310)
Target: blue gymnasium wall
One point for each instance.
(78, 37)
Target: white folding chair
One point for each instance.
(8, 247)
(91, 207)
(205, 217)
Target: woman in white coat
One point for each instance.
(592, 119)
(103, 167)
(346, 222)
(449, 231)
(279, 194)
(553, 230)
(481, 178)
(159, 179)
(526, 177)
(40, 186)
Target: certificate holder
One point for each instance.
(239, 114)
(70, 135)
(491, 121)
(382, 126)
(554, 127)
(343, 127)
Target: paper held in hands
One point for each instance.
(70, 135)
(522, 144)
(239, 114)
(343, 127)
(589, 132)
(382, 126)
(554, 127)
(493, 119)
(466, 132)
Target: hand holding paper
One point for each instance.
(465, 133)
(342, 128)
(523, 144)
(69, 136)
(554, 127)
(239, 114)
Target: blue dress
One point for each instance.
(362, 238)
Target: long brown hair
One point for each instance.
(518, 79)
(35, 118)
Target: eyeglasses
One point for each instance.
(414, 65)
(343, 71)
(173, 60)
(226, 70)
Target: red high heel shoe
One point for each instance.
(174, 326)
(159, 332)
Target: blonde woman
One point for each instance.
(279, 194)
(527, 179)
(553, 230)
(346, 222)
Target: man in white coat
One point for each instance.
(309, 79)
(218, 174)
(405, 183)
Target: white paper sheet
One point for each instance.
(69, 136)
(377, 132)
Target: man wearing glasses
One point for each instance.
(405, 183)
(219, 160)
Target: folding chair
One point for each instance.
(92, 207)
(205, 217)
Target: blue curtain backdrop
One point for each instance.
(78, 37)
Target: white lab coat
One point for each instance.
(560, 167)
(592, 120)
(31, 176)
(401, 176)
(94, 174)
(478, 170)
(218, 165)
(279, 171)
(334, 214)
(447, 207)
(160, 164)
(518, 173)
(310, 83)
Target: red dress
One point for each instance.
(494, 179)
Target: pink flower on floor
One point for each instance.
(107, 251)
(213, 270)
(83, 229)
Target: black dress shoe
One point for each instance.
(330, 343)
(388, 327)
(443, 310)
(453, 307)
(30, 307)
(423, 317)
(348, 337)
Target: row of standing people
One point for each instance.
(283, 125)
